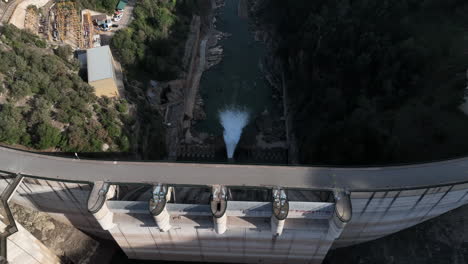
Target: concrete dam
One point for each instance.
(222, 212)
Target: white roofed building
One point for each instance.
(101, 72)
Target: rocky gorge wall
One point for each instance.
(275, 74)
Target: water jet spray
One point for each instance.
(233, 121)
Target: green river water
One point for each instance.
(237, 81)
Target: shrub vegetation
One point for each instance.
(44, 104)
(152, 48)
(105, 6)
(374, 81)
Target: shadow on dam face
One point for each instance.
(71, 203)
(63, 201)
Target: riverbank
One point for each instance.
(179, 99)
(274, 72)
(349, 107)
(239, 79)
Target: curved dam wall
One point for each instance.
(381, 201)
(376, 214)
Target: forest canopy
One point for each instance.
(152, 48)
(44, 104)
(374, 81)
(107, 6)
(154, 41)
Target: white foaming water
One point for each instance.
(233, 121)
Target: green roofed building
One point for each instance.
(122, 4)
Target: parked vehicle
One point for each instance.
(117, 16)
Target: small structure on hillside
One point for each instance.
(102, 21)
(101, 72)
(97, 18)
(122, 4)
(105, 24)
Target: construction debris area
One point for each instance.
(66, 24)
(90, 40)
(61, 23)
(31, 20)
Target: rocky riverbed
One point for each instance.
(266, 129)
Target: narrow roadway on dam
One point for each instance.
(319, 178)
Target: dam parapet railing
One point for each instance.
(415, 176)
(251, 213)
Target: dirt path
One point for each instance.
(124, 22)
(128, 15)
(19, 14)
(7, 9)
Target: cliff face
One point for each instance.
(67, 242)
(361, 79)
(186, 105)
(275, 68)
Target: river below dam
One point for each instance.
(238, 82)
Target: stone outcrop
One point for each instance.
(215, 51)
(67, 242)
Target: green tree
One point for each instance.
(57, 95)
(122, 106)
(20, 89)
(12, 127)
(64, 52)
(47, 136)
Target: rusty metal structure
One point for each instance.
(68, 23)
(88, 31)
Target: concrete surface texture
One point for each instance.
(24, 248)
(250, 239)
(442, 240)
(376, 214)
(318, 178)
(309, 231)
(384, 200)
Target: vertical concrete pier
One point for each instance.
(341, 216)
(280, 209)
(97, 205)
(218, 206)
(157, 205)
(337, 223)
